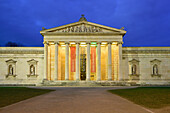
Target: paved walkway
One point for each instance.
(76, 100)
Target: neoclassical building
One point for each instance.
(84, 51)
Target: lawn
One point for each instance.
(150, 97)
(10, 95)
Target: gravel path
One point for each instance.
(76, 100)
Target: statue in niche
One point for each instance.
(133, 69)
(32, 70)
(11, 70)
(155, 70)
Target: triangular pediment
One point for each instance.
(134, 61)
(32, 61)
(83, 27)
(155, 61)
(11, 61)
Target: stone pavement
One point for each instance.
(76, 100)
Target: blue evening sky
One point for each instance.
(147, 22)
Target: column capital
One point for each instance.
(77, 42)
(46, 42)
(88, 42)
(119, 43)
(98, 42)
(56, 42)
(67, 42)
(109, 42)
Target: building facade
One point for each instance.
(84, 51)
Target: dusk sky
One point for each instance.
(147, 22)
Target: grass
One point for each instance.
(10, 95)
(150, 97)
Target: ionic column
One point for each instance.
(120, 77)
(67, 61)
(45, 60)
(98, 61)
(77, 61)
(109, 61)
(88, 62)
(56, 62)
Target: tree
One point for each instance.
(13, 44)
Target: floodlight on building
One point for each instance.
(92, 45)
(104, 42)
(114, 42)
(82, 43)
(72, 43)
(62, 43)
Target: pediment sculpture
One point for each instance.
(81, 28)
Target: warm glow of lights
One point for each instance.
(104, 42)
(72, 43)
(103, 45)
(114, 43)
(82, 43)
(93, 45)
(63, 45)
(52, 43)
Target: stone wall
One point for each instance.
(145, 58)
(21, 59)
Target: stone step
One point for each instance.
(86, 83)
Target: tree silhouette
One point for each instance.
(13, 44)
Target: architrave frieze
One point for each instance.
(83, 38)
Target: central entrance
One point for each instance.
(82, 63)
(83, 66)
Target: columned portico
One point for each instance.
(83, 51)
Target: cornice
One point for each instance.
(82, 33)
(145, 51)
(21, 51)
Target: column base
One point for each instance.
(120, 80)
(109, 80)
(98, 79)
(56, 79)
(78, 80)
(88, 79)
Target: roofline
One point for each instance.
(81, 22)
